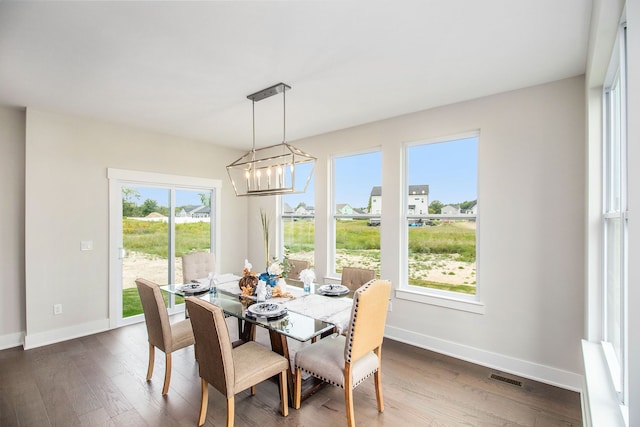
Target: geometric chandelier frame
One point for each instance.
(277, 169)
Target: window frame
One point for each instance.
(332, 273)
(615, 132)
(441, 298)
(119, 178)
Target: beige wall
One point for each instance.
(67, 202)
(531, 227)
(531, 244)
(12, 320)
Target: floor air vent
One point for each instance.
(506, 380)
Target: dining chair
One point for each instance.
(230, 370)
(354, 277)
(346, 361)
(197, 265)
(297, 265)
(162, 334)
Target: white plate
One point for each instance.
(192, 288)
(266, 309)
(333, 290)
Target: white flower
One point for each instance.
(307, 276)
(275, 269)
(247, 265)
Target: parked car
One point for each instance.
(373, 222)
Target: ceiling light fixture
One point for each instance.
(271, 170)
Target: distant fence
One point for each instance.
(178, 219)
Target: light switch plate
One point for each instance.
(86, 245)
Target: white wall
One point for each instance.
(531, 228)
(12, 321)
(67, 201)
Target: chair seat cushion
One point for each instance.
(325, 360)
(181, 334)
(254, 363)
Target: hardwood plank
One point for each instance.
(100, 380)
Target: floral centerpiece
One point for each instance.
(307, 276)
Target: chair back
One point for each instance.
(213, 345)
(354, 277)
(368, 316)
(155, 315)
(196, 265)
(297, 265)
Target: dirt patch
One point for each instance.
(435, 268)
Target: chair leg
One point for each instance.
(253, 390)
(378, 380)
(378, 383)
(167, 374)
(348, 396)
(230, 411)
(284, 393)
(152, 358)
(297, 389)
(204, 401)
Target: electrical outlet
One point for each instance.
(389, 307)
(57, 309)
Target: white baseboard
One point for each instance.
(545, 374)
(64, 334)
(11, 340)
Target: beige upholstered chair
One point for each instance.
(162, 334)
(297, 265)
(347, 361)
(230, 370)
(197, 265)
(353, 277)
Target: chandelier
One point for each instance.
(275, 169)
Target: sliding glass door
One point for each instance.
(153, 222)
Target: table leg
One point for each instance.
(310, 385)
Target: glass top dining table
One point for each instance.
(307, 316)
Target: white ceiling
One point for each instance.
(185, 68)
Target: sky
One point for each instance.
(449, 168)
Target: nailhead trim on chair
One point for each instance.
(356, 301)
(334, 383)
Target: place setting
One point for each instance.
(266, 310)
(333, 290)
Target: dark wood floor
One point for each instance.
(100, 380)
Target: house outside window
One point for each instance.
(357, 201)
(440, 216)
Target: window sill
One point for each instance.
(601, 400)
(441, 301)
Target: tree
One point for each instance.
(129, 205)
(435, 207)
(148, 206)
(205, 198)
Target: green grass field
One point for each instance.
(131, 302)
(455, 240)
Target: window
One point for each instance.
(615, 213)
(298, 220)
(153, 220)
(440, 215)
(357, 210)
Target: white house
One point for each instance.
(417, 198)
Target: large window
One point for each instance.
(441, 207)
(153, 220)
(298, 220)
(357, 202)
(615, 219)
